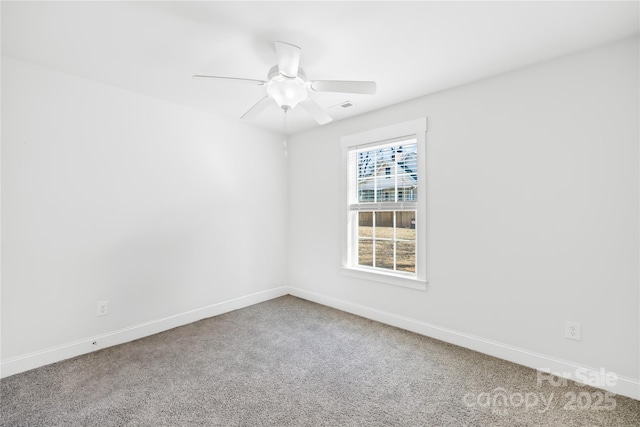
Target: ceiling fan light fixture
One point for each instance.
(288, 93)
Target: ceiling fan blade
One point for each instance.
(258, 82)
(367, 88)
(288, 59)
(315, 111)
(257, 108)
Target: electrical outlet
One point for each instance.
(572, 330)
(103, 308)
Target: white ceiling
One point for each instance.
(409, 48)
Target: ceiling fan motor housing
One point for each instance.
(287, 91)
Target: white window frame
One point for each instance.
(417, 129)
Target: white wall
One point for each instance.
(532, 212)
(110, 195)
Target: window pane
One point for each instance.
(384, 254)
(385, 188)
(366, 190)
(365, 224)
(406, 256)
(406, 225)
(385, 164)
(384, 225)
(366, 164)
(407, 157)
(365, 238)
(407, 188)
(365, 252)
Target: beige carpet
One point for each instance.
(290, 362)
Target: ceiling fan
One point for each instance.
(287, 86)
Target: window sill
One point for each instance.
(389, 279)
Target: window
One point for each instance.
(386, 232)
(385, 216)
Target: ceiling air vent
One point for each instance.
(345, 104)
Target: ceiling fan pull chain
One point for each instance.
(284, 130)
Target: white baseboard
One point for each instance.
(587, 375)
(55, 354)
